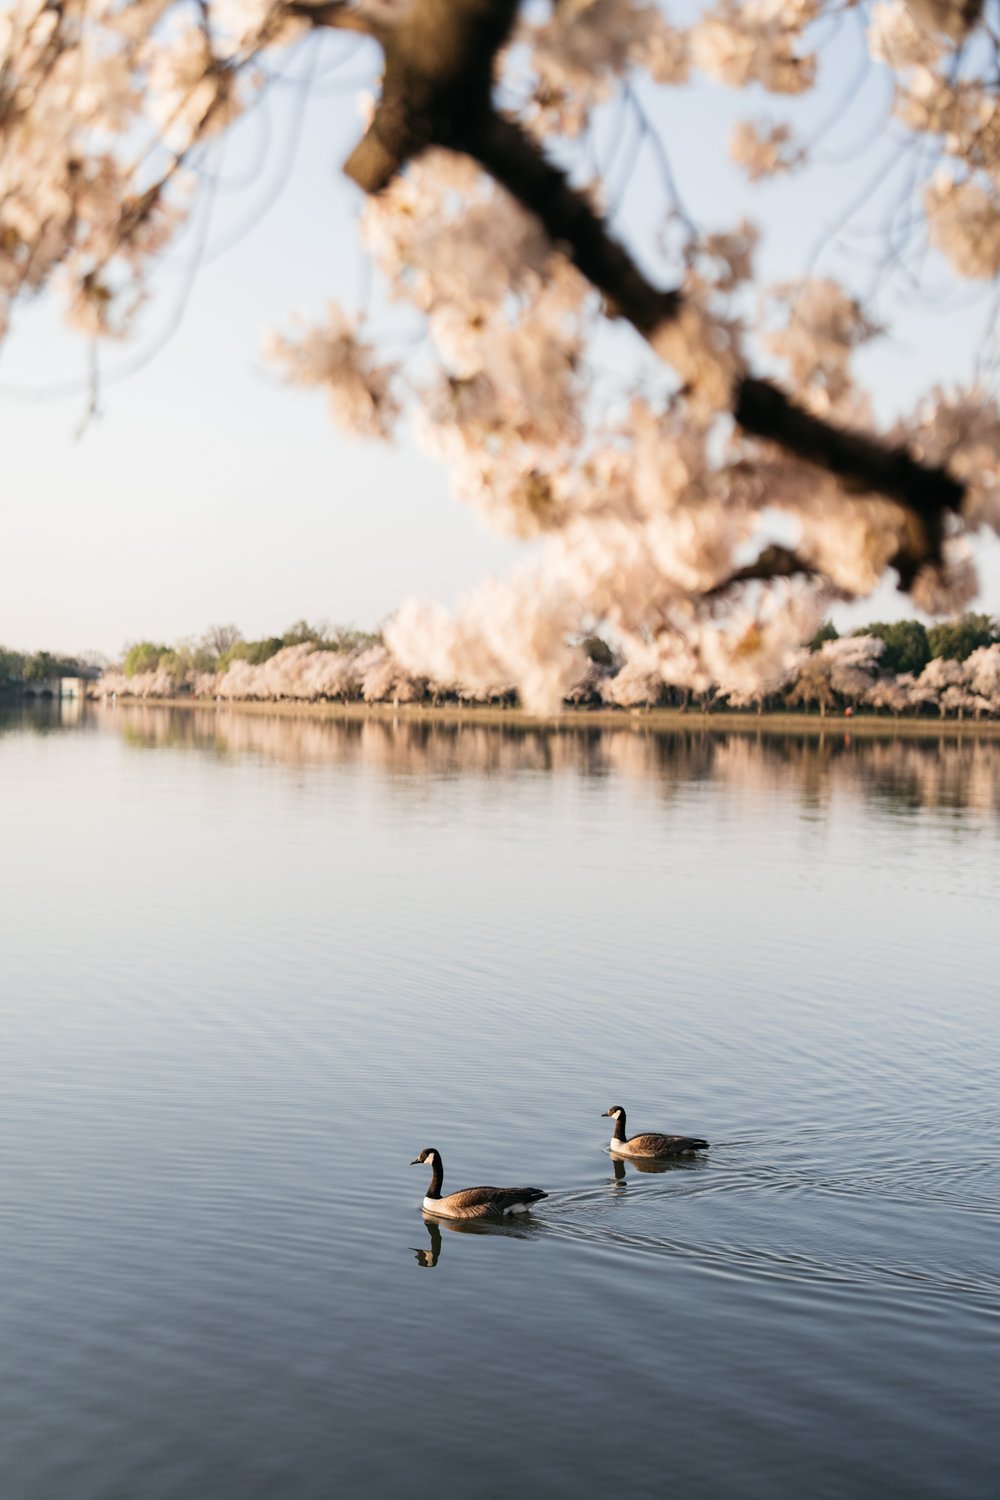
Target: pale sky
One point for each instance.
(207, 492)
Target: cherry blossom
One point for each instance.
(650, 509)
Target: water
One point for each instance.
(250, 966)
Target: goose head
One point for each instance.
(614, 1113)
(428, 1155)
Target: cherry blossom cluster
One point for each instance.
(103, 106)
(648, 504)
(845, 671)
(848, 670)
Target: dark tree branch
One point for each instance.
(437, 85)
(510, 156)
(861, 463)
(773, 562)
(333, 13)
(437, 91)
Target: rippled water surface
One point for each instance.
(251, 965)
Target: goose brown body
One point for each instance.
(475, 1202)
(650, 1144)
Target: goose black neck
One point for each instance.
(437, 1177)
(619, 1130)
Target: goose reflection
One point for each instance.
(648, 1164)
(428, 1257)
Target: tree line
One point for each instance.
(910, 645)
(221, 645)
(897, 667)
(24, 668)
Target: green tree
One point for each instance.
(144, 656)
(254, 652)
(41, 666)
(907, 648)
(329, 637)
(11, 666)
(189, 656)
(826, 632)
(957, 639)
(598, 651)
(301, 632)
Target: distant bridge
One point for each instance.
(56, 687)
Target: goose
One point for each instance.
(649, 1144)
(473, 1203)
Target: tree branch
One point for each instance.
(437, 91)
(339, 14)
(437, 85)
(861, 463)
(513, 159)
(773, 562)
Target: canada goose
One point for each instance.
(648, 1145)
(473, 1203)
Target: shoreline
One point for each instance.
(654, 720)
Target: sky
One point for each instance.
(206, 492)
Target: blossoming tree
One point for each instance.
(653, 513)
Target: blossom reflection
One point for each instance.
(816, 765)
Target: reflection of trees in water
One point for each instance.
(909, 773)
(42, 715)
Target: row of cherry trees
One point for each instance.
(834, 673)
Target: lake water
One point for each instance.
(251, 965)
